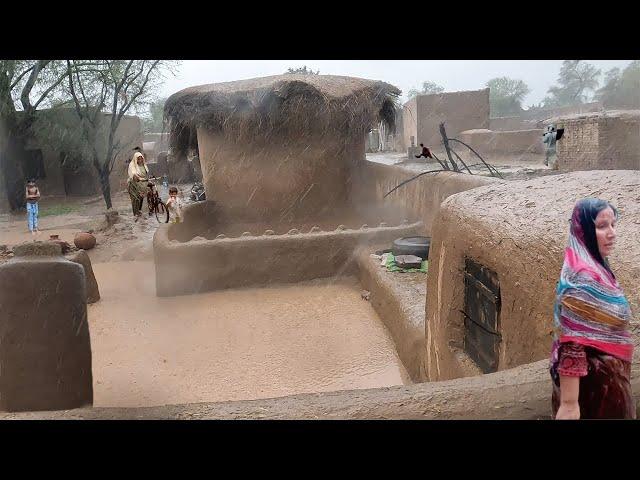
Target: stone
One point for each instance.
(383, 225)
(269, 232)
(199, 239)
(45, 352)
(246, 234)
(408, 261)
(293, 231)
(31, 249)
(315, 229)
(81, 257)
(221, 236)
(364, 227)
(341, 227)
(84, 240)
(3, 248)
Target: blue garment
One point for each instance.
(32, 216)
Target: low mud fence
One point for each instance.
(419, 199)
(202, 265)
(522, 393)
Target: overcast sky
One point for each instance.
(453, 75)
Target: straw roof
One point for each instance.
(287, 104)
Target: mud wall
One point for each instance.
(519, 230)
(207, 265)
(410, 123)
(599, 141)
(487, 142)
(279, 178)
(419, 199)
(83, 179)
(500, 124)
(522, 393)
(459, 110)
(399, 301)
(45, 351)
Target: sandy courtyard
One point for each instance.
(232, 345)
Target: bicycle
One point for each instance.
(156, 205)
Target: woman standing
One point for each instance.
(33, 195)
(137, 183)
(592, 348)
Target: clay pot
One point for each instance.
(63, 245)
(84, 241)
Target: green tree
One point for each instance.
(25, 85)
(153, 119)
(114, 87)
(506, 96)
(427, 88)
(621, 88)
(302, 71)
(575, 81)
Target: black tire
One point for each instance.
(162, 214)
(418, 246)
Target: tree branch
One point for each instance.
(26, 90)
(20, 77)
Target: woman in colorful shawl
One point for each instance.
(592, 348)
(137, 183)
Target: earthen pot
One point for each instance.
(63, 245)
(84, 240)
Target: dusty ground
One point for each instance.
(234, 344)
(69, 215)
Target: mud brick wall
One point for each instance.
(607, 143)
(459, 111)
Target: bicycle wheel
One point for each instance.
(162, 214)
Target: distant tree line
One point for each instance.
(578, 82)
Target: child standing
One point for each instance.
(174, 205)
(33, 195)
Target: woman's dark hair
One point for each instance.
(173, 190)
(587, 210)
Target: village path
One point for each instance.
(66, 216)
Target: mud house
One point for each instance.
(282, 145)
(599, 141)
(278, 155)
(495, 259)
(459, 111)
(57, 157)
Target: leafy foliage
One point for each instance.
(621, 88)
(153, 119)
(575, 81)
(302, 71)
(506, 96)
(427, 88)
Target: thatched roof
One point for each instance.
(287, 104)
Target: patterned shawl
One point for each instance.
(590, 307)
